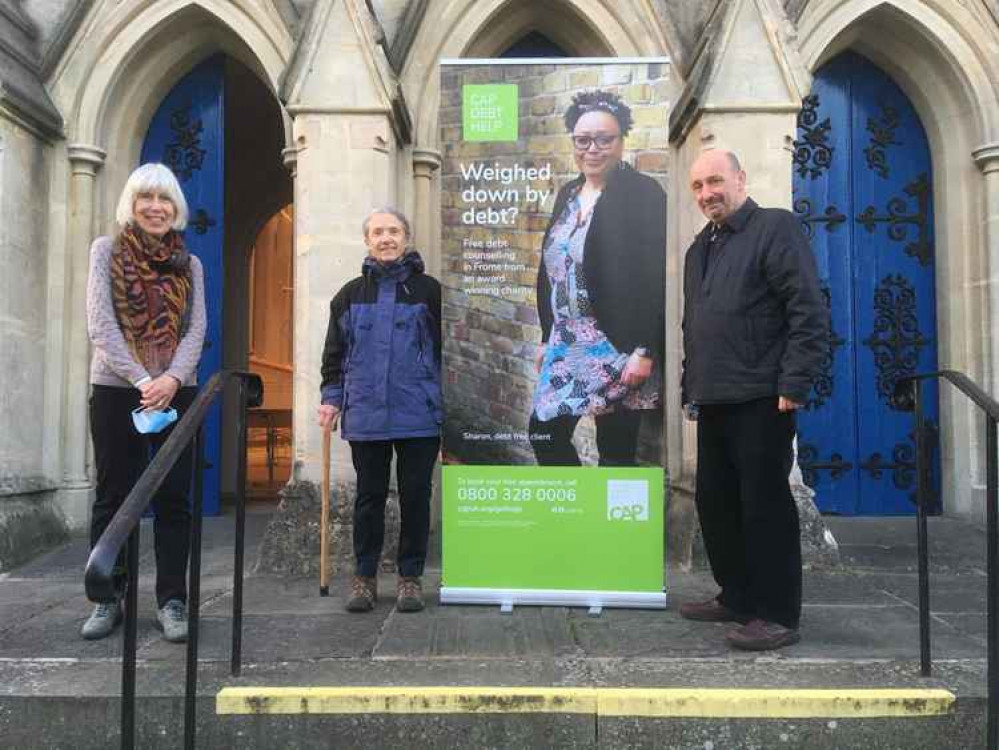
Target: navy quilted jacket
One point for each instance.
(382, 358)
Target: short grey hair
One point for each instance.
(391, 211)
(152, 178)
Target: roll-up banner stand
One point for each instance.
(553, 264)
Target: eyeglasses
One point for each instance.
(603, 142)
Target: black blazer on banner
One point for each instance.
(624, 261)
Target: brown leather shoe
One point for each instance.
(410, 594)
(762, 635)
(710, 611)
(363, 593)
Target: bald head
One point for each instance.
(718, 183)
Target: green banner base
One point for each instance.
(553, 598)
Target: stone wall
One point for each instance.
(490, 338)
(23, 218)
(28, 521)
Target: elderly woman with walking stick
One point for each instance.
(381, 379)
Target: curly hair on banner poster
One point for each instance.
(554, 252)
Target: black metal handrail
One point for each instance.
(99, 578)
(908, 396)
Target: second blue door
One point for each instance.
(863, 192)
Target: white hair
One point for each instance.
(391, 212)
(152, 178)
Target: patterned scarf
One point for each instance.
(151, 286)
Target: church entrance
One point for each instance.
(220, 130)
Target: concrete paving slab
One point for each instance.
(624, 633)
(864, 632)
(23, 600)
(56, 635)
(889, 543)
(948, 592)
(971, 625)
(466, 631)
(282, 637)
(850, 587)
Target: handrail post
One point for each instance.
(99, 576)
(237, 584)
(194, 596)
(922, 502)
(992, 523)
(130, 642)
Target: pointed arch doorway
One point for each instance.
(863, 192)
(220, 130)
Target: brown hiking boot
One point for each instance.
(762, 635)
(363, 593)
(410, 594)
(710, 611)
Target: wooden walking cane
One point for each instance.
(324, 516)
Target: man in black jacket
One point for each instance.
(754, 331)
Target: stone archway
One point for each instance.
(125, 61)
(932, 50)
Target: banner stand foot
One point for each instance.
(506, 608)
(595, 611)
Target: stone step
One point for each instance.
(418, 719)
(447, 703)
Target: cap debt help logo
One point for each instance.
(489, 112)
(627, 500)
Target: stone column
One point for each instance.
(987, 159)
(342, 168)
(427, 241)
(425, 163)
(85, 161)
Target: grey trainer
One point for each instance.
(172, 618)
(102, 621)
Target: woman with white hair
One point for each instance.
(146, 321)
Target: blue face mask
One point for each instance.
(147, 421)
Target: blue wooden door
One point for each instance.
(862, 190)
(186, 134)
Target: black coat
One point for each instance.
(624, 261)
(756, 323)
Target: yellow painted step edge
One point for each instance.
(638, 702)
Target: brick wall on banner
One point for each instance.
(490, 339)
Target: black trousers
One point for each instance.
(121, 454)
(747, 512)
(415, 458)
(617, 439)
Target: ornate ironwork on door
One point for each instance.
(202, 222)
(868, 215)
(895, 340)
(812, 152)
(184, 154)
(810, 464)
(831, 218)
(899, 220)
(882, 130)
(822, 391)
(902, 466)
